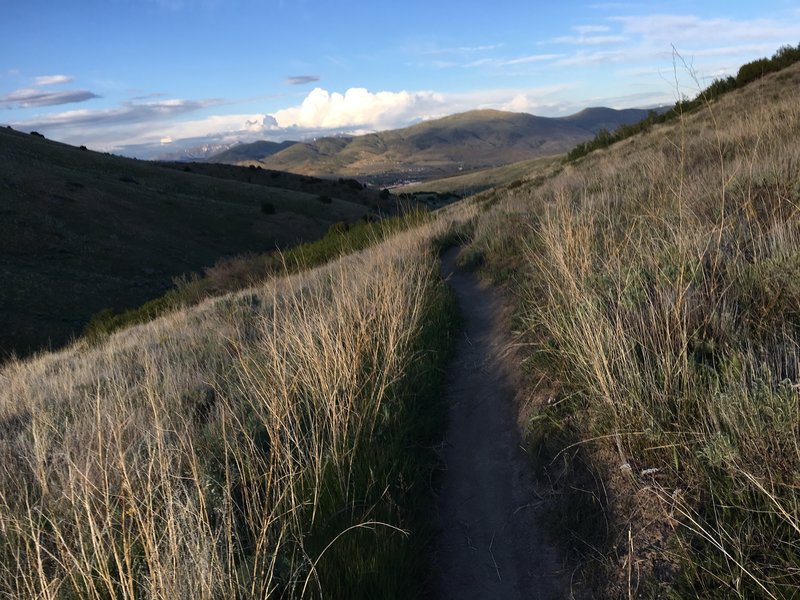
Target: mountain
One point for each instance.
(81, 231)
(599, 117)
(192, 153)
(463, 142)
(253, 151)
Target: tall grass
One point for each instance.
(661, 284)
(269, 443)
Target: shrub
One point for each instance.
(268, 208)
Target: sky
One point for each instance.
(149, 77)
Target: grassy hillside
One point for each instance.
(349, 190)
(433, 149)
(275, 442)
(82, 231)
(658, 291)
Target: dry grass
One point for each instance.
(662, 289)
(245, 448)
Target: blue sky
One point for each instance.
(141, 77)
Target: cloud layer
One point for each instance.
(28, 98)
(301, 79)
(52, 79)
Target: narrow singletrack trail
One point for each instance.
(490, 542)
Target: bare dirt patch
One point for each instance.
(489, 511)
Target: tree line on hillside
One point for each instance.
(784, 57)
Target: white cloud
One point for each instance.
(357, 107)
(585, 59)
(590, 40)
(222, 127)
(508, 62)
(52, 80)
(530, 59)
(28, 98)
(584, 29)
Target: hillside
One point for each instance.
(82, 231)
(252, 151)
(433, 149)
(481, 180)
(657, 284)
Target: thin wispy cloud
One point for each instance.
(460, 49)
(30, 98)
(586, 59)
(586, 29)
(674, 29)
(590, 40)
(507, 62)
(45, 80)
(130, 112)
(301, 79)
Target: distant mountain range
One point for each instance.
(438, 148)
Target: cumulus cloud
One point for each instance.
(28, 98)
(52, 80)
(301, 79)
(323, 112)
(358, 107)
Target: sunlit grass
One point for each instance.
(661, 291)
(273, 442)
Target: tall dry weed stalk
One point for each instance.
(216, 452)
(662, 282)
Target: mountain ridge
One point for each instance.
(467, 141)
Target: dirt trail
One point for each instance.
(490, 543)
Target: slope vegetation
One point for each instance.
(462, 142)
(82, 231)
(658, 286)
(276, 442)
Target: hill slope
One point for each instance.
(659, 287)
(81, 231)
(252, 151)
(463, 142)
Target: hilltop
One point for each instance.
(82, 231)
(438, 148)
